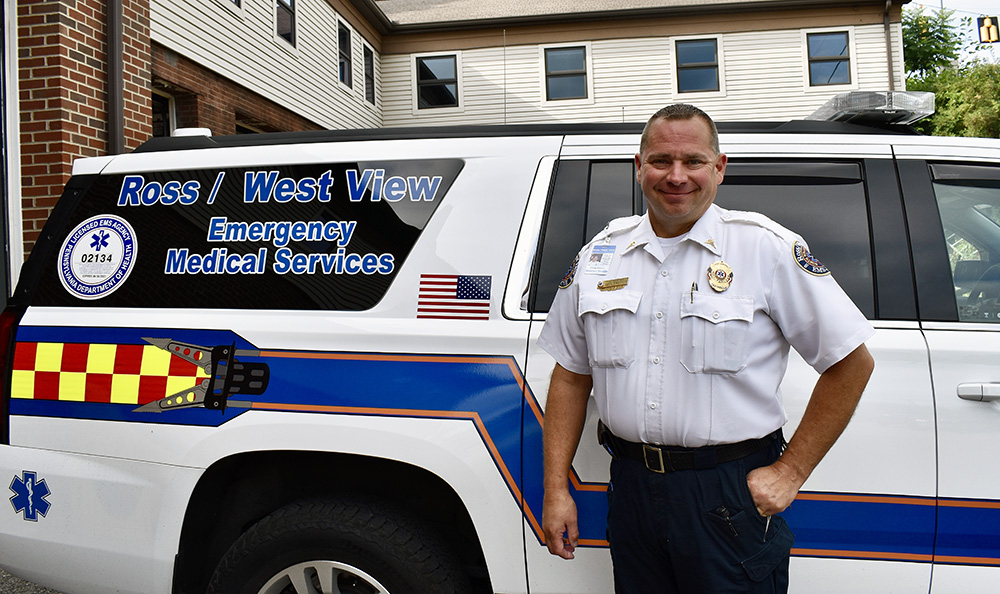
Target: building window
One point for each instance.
(285, 21)
(437, 82)
(697, 65)
(565, 73)
(344, 49)
(369, 75)
(829, 58)
(162, 115)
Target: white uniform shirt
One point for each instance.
(675, 362)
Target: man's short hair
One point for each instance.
(681, 111)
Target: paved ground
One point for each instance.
(11, 585)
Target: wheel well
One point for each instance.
(236, 492)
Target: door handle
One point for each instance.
(987, 392)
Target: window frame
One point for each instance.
(415, 84)
(368, 63)
(236, 7)
(588, 74)
(808, 60)
(289, 7)
(345, 55)
(171, 109)
(719, 68)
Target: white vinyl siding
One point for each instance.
(762, 75)
(240, 45)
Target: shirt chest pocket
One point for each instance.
(610, 322)
(714, 332)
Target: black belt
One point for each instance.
(662, 459)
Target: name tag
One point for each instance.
(613, 284)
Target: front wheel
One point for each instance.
(338, 546)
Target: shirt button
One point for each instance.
(652, 405)
(656, 360)
(663, 273)
(659, 315)
(605, 306)
(715, 316)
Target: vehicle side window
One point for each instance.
(585, 196)
(327, 236)
(968, 200)
(824, 202)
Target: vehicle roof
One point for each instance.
(161, 144)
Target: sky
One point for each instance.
(966, 8)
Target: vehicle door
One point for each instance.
(953, 208)
(865, 502)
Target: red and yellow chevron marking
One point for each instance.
(115, 373)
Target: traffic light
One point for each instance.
(988, 32)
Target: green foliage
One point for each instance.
(930, 41)
(967, 100)
(967, 95)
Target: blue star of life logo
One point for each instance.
(99, 240)
(29, 496)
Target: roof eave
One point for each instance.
(742, 6)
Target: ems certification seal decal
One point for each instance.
(97, 256)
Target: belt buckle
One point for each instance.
(649, 454)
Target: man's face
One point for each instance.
(679, 173)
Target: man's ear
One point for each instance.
(720, 165)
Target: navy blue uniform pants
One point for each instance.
(695, 531)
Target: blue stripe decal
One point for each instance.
(969, 532)
(491, 393)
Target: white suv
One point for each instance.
(249, 363)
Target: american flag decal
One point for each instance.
(454, 297)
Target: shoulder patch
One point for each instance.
(807, 262)
(568, 279)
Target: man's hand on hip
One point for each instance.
(773, 488)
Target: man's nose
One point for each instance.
(676, 173)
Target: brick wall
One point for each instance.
(203, 99)
(62, 67)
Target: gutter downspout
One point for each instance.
(116, 79)
(888, 47)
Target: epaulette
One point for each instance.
(800, 251)
(755, 218)
(617, 227)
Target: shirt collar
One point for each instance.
(705, 233)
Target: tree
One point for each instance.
(967, 95)
(930, 41)
(967, 100)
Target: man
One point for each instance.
(680, 321)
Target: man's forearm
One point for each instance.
(565, 413)
(830, 408)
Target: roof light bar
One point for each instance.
(877, 107)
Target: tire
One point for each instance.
(338, 546)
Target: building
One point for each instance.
(101, 76)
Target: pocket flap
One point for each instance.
(774, 552)
(717, 308)
(603, 302)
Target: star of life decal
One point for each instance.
(29, 496)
